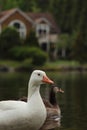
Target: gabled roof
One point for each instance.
(32, 17)
(6, 14)
(45, 16)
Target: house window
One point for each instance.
(42, 32)
(39, 31)
(17, 25)
(20, 26)
(42, 29)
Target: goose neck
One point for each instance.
(32, 88)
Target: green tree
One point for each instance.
(31, 39)
(9, 38)
(8, 4)
(79, 48)
(63, 43)
(37, 56)
(31, 5)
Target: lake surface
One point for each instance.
(73, 102)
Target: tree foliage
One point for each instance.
(21, 53)
(80, 48)
(8, 39)
(70, 15)
(11, 47)
(31, 39)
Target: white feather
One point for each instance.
(18, 115)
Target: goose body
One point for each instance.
(52, 108)
(30, 115)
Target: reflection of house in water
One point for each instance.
(43, 23)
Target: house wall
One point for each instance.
(16, 16)
(53, 38)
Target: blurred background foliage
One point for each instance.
(14, 48)
(70, 16)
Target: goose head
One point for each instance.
(37, 78)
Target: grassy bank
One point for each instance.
(9, 63)
(63, 65)
(57, 65)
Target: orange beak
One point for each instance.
(47, 80)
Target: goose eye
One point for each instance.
(38, 74)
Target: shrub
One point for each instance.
(32, 40)
(25, 65)
(21, 53)
(79, 48)
(9, 38)
(39, 57)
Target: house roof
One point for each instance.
(45, 16)
(6, 14)
(32, 17)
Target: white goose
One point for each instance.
(19, 115)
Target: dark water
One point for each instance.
(73, 102)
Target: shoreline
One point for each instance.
(4, 68)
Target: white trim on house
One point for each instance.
(12, 12)
(44, 28)
(27, 17)
(43, 19)
(22, 30)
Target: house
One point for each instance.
(43, 23)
